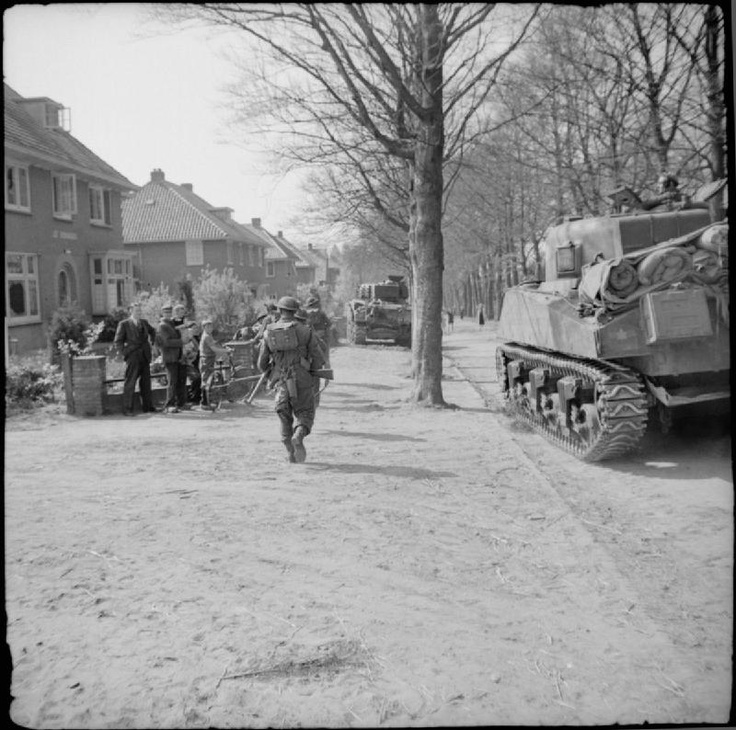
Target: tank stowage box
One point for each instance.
(630, 318)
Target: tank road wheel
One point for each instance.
(594, 409)
(360, 334)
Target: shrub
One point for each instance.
(225, 299)
(72, 332)
(68, 324)
(110, 324)
(152, 301)
(30, 385)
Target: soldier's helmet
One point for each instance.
(313, 302)
(288, 303)
(301, 315)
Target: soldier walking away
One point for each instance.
(133, 339)
(290, 353)
(481, 316)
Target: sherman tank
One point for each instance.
(630, 318)
(380, 313)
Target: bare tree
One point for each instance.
(386, 80)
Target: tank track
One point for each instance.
(617, 415)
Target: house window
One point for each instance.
(64, 194)
(21, 288)
(261, 257)
(229, 249)
(270, 269)
(17, 195)
(241, 253)
(99, 206)
(251, 256)
(194, 253)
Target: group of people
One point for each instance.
(188, 352)
(293, 350)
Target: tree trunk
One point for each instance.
(425, 236)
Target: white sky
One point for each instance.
(141, 100)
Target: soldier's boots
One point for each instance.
(290, 451)
(297, 442)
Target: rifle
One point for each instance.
(255, 390)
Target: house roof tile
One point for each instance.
(56, 148)
(164, 211)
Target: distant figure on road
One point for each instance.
(450, 321)
(481, 317)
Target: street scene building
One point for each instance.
(63, 225)
(173, 234)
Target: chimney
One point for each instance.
(188, 187)
(157, 175)
(222, 213)
(280, 234)
(255, 222)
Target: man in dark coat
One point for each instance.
(169, 342)
(290, 354)
(133, 339)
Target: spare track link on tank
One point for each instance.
(608, 423)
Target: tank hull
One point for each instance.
(548, 321)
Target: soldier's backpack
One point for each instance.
(281, 337)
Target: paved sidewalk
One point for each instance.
(471, 348)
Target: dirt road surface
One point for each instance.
(425, 567)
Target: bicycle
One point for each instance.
(229, 382)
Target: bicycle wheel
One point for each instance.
(217, 390)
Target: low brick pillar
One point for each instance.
(87, 385)
(243, 355)
(67, 364)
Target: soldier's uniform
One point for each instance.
(290, 352)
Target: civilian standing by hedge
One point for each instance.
(133, 339)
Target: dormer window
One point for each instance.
(47, 112)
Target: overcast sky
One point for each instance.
(142, 101)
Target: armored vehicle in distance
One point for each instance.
(380, 313)
(630, 318)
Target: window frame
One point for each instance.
(26, 276)
(270, 270)
(194, 252)
(63, 185)
(103, 197)
(15, 171)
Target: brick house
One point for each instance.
(173, 234)
(283, 261)
(320, 273)
(63, 226)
